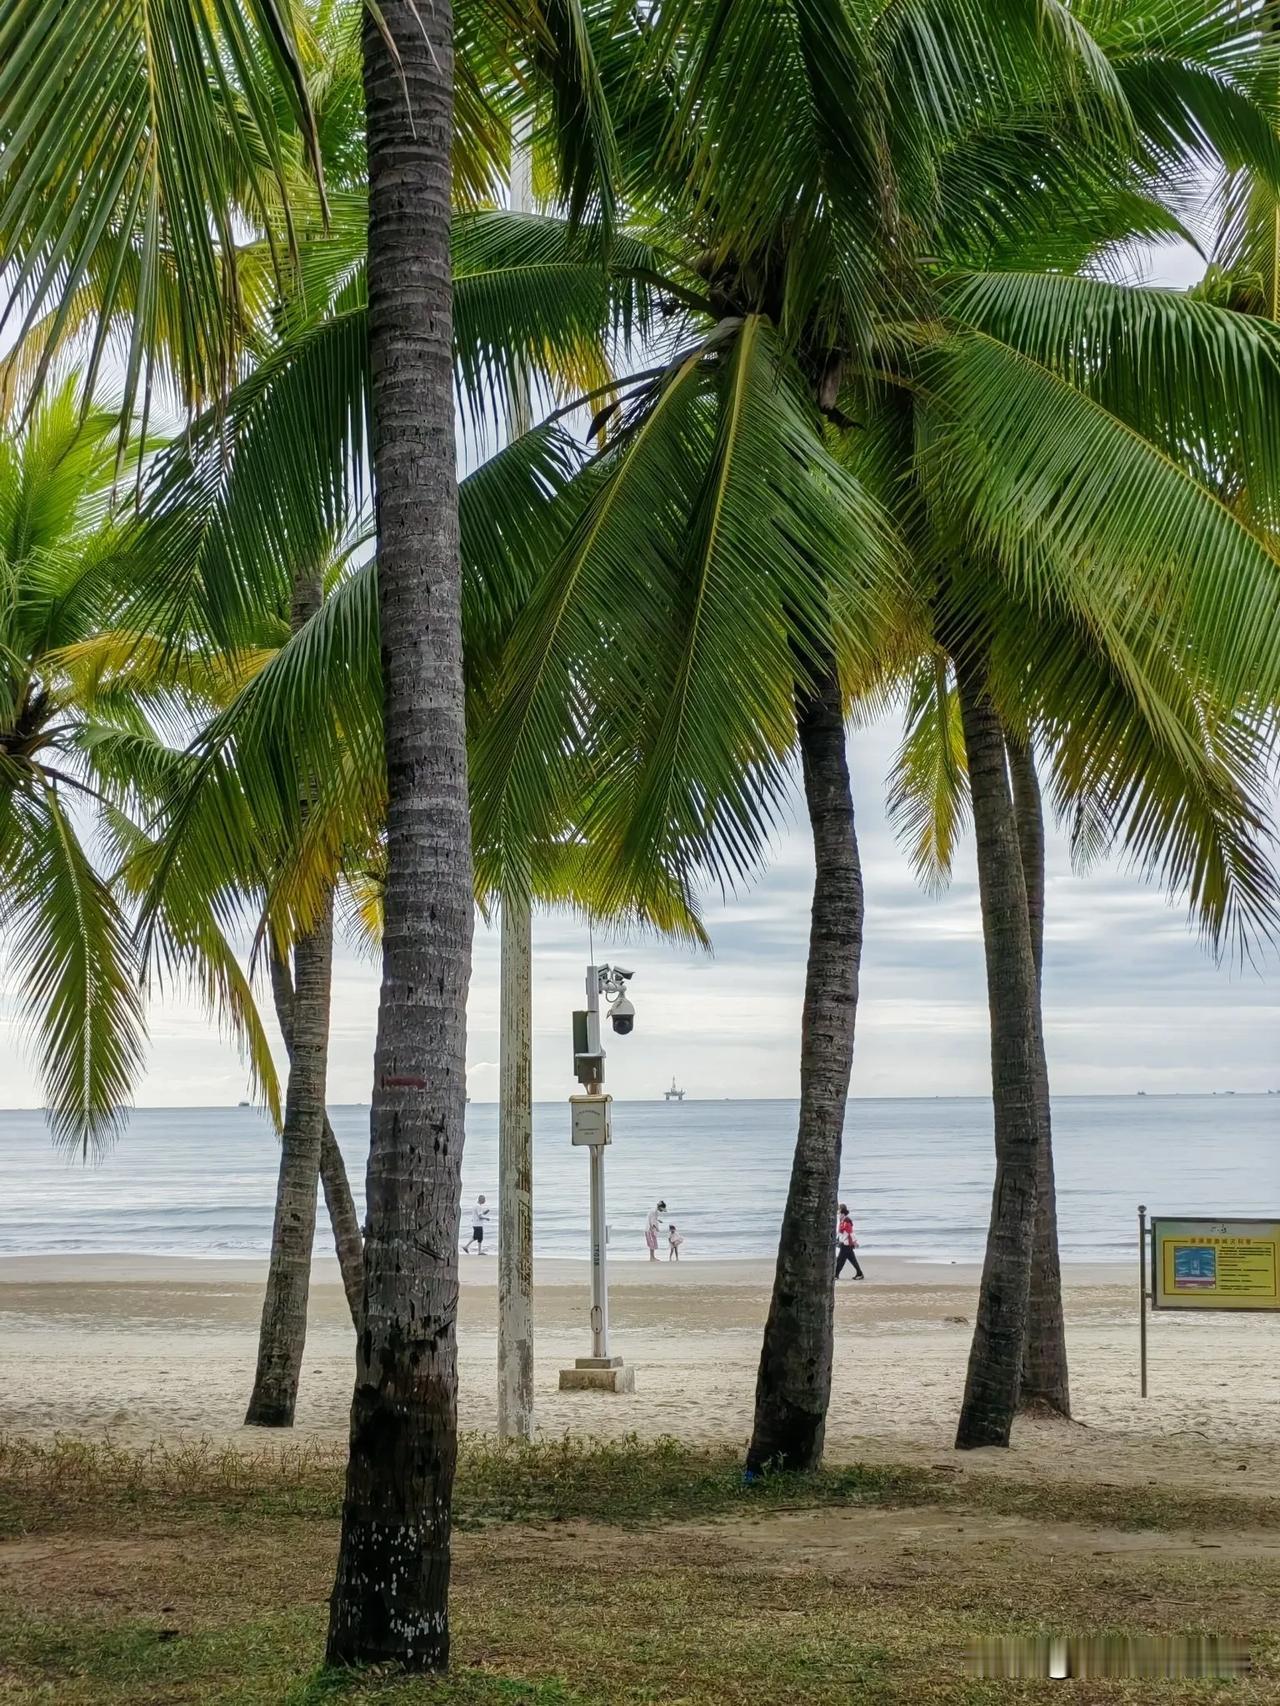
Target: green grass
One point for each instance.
(594, 1574)
(45, 1485)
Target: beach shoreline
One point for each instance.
(108, 1267)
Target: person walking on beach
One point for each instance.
(674, 1241)
(479, 1214)
(847, 1244)
(651, 1229)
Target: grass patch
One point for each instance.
(71, 1482)
(624, 1574)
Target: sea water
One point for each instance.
(917, 1175)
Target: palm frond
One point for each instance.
(1072, 501)
(1200, 382)
(71, 948)
(928, 798)
(191, 947)
(714, 543)
(132, 134)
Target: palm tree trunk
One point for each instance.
(343, 1221)
(515, 1173)
(1045, 1385)
(793, 1386)
(283, 1330)
(348, 1243)
(1017, 1071)
(282, 1334)
(390, 1596)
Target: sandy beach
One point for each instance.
(152, 1347)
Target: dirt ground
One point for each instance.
(821, 1605)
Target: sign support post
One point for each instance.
(1142, 1293)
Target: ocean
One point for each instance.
(917, 1174)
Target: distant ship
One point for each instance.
(673, 1094)
(244, 1104)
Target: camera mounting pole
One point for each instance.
(591, 1129)
(595, 1048)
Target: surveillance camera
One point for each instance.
(622, 1016)
(622, 972)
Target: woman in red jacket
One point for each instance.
(847, 1244)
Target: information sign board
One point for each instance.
(1201, 1263)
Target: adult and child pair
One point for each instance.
(651, 1227)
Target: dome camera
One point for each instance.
(622, 1016)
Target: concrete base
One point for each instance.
(598, 1374)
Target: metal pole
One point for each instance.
(593, 1022)
(599, 1250)
(1142, 1293)
(515, 1044)
(599, 1259)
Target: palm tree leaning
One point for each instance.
(1102, 568)
(674, 580)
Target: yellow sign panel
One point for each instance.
(1215, 1264)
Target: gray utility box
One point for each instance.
(590, 1121)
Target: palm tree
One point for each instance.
(1158, 649)
(391, 1589)
(973, 202)
(165, 124)
(232, 504)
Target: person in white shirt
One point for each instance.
(479, 1214)
(651, 1227)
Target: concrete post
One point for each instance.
(515, 1174)
(515, 1051)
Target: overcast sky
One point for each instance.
(1132, 1001)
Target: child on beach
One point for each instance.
(674, 1241)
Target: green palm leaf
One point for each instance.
(928, 799)
(1072, 500)
(713, 546)
(71, 949)
(133, 134)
